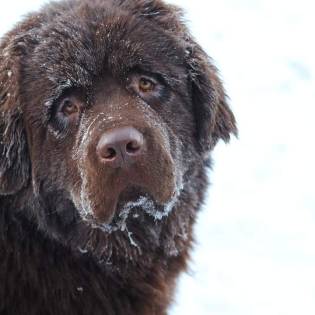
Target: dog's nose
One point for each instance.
(120, 147)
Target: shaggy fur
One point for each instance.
(78, 236)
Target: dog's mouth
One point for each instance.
(134, 204)
(116, 192)
(135, 198)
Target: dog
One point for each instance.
(109, 113)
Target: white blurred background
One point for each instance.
(255, 239)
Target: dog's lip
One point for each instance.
(128, 196)
(132, 204)
(131, 193)
(112, 208)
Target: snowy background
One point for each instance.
(255, 251)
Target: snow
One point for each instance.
(148, 206)
(255, 250)
(80, 289)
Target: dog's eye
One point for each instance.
(66, 112)
(146, 85)
(69, 108)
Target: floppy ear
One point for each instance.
(214, 118)
(14, 158)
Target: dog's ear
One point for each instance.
(214, 118)
(14, 158)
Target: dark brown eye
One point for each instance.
(69, 108)
(146, 85)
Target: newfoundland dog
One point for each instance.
(108, 112)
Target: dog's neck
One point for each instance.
(143, 287)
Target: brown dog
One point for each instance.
(109, 110)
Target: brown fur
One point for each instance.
(76, 236)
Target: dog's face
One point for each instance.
(106, 110)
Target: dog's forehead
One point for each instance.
(79, 50)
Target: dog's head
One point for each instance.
(106, 107)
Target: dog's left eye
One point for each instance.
(146, 85)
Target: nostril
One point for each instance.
(109, 154)
(133, 147)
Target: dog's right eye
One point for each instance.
(69, 108)
(67, 112)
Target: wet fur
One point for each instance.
(52, 262)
